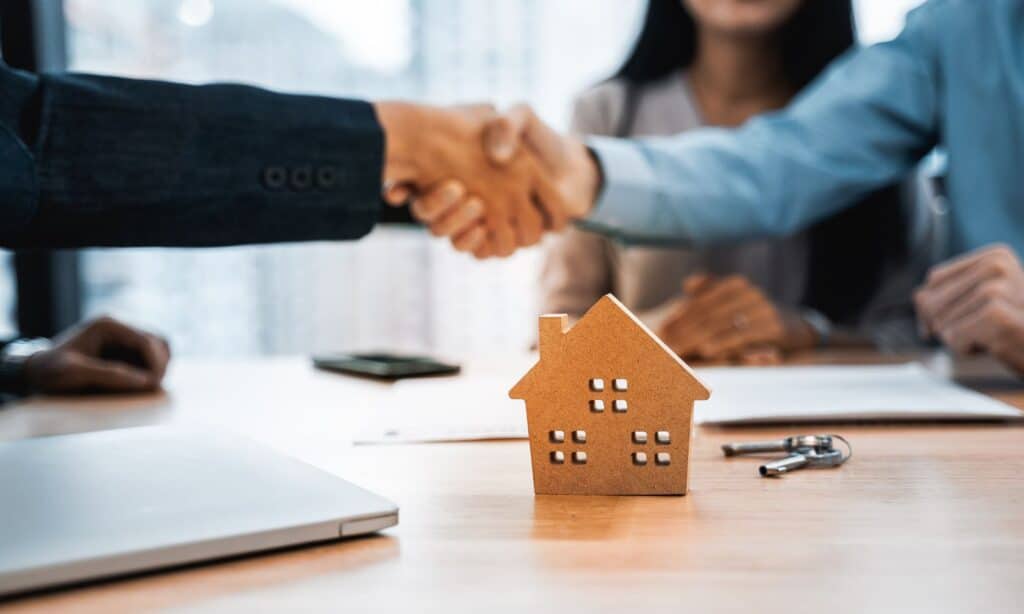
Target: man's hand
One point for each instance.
(730, 319)
(427, 147)
(975, 303)
(100, 355)
(447, 211)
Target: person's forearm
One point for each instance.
(128, 162)
(402, 123)
(14, 357)
(12, 377)
(716, 186)
(862, 125)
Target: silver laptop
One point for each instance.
(81, 507)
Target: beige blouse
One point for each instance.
(580, 267)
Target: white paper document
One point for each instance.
(831, 393)
(463, 408)
(469, 407)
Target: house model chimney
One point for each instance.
(552, 329)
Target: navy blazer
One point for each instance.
(101, 161)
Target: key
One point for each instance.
(797, 443)
(830, 458)
(783, 465)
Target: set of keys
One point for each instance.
(802, 450)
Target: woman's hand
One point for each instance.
(99, 355)
(976, 303)
(730, 319)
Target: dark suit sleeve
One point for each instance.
(100, 161)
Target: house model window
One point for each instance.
(577, 447)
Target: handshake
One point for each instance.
(489, 182)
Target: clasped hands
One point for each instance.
(489, 182)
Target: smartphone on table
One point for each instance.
(384, 365)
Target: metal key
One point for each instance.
(797, 443)
(813, 458)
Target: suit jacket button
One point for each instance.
(302, 178)
(274, 177)
(326, 177)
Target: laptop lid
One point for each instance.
(80, 507)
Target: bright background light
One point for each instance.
(881, 20)
(195, 13)
(373, 34)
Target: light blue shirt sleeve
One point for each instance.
(863, 124)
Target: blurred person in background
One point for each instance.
(720, 62)
(952, 83)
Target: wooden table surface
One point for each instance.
(924, 518)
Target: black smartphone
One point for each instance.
(384, 365)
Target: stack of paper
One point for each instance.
(478, 407)
(839, 393)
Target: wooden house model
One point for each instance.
(609, 407)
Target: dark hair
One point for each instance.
(816, 34)
(850, 251)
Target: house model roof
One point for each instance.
(622, 332)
